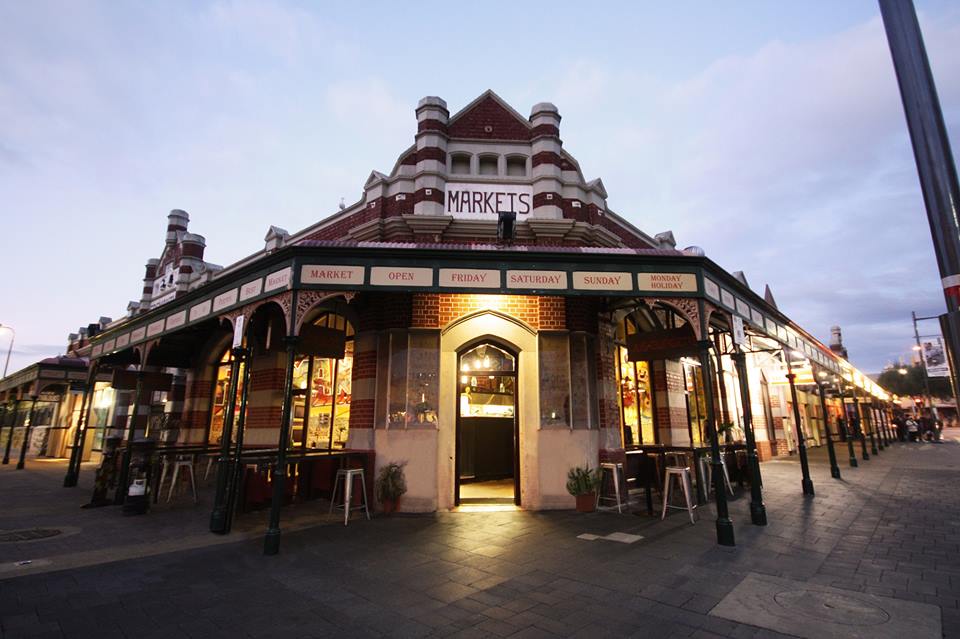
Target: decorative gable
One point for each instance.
(487, 118)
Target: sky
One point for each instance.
(770, 134)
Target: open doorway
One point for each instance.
(487, 435)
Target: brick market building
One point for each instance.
(480, 314)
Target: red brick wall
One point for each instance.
(502, 124)
(266, 379)
(263, 416)
(433, 310)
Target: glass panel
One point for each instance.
(397, 412)
(696, 406)
(645, 402)
(628, 398)
(423, 363)
(487, 395)
(486, 357)
(582, 382)
(101, 413)
(341, 419)
(321, 403)
(554, 381)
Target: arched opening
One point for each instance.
(487, 437)
(635, 380)
(323, 381)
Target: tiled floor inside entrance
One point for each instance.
(494, 491)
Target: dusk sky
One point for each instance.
(769, 133)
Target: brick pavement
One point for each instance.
(889, 528)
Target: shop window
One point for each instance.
(423, 366)
(488, 165)
(554, 380)
(696, 404)
(101, 412)
(460, 163)
(583, 381)
(635, 385)
(397, 405)
(517, 165)
(221, 392)
(323, 392)
(487, 383)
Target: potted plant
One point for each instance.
(391, 484)
(582, 483)
(727, 429)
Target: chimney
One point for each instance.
(836, 342)
(177, 221)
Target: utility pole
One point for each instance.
(934, 159)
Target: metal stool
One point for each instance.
(185, 462)
(616, 470)
(705, 464)
(349, 475)
(683, 475)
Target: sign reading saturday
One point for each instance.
(483, 201)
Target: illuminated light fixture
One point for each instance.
(916, 347)
(486, 361)
(463, 379)
(902, 371)
(465, 367)
(822, 374)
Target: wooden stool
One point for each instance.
(683, 475)
(615, 470)
(349, 475)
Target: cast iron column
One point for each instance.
(859, 417)
(26, 432)
(874, 425)
(806, 483)
(843, 426)
(236, 474)
(725, 536)
(13, 427)
(121, 493)
(758, 512)
(873, 439)
(76, 453)
(271, 543)
(834, 469)
(934, 159)
(4, 417)
(218, 518)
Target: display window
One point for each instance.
(221, 392)
(696, 403)
(323, 391)
(635, 394)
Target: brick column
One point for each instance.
(430, 182)
(264, 400)
(363, 391)
(198, 396)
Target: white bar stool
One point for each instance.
(349, 475)
(616, 470)
(682, 474)
(706, 465)
(185, 462)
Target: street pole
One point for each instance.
(834, 469)
(843, 423)
(121, 494)
(13, 334)
(806, 483)
(76, 453)
(271, 543)
(860, 427)
(13, 428)
(758, 512)
(26, 432)
(236, 476)
(934, 159)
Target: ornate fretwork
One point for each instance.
(686, 307)
(306, 300)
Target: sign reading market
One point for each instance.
(465, 200)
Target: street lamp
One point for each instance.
(13, 334)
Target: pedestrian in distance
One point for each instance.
(913, 429)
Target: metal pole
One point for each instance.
(218, 517)
(859, 418)
(76, 454)
(13, 334)
(26, 432)
(843, 425)
(874, 428)
(13, 427)
(237, 471)
(271, 543)
(923, 366)
(758, 512)
(933, 156)
(725, 536)
(834, 469)
(806, 483)
(121, 493)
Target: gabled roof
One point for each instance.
(489, 117)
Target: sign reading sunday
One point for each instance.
(465, 200)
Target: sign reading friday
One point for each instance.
(483, 201)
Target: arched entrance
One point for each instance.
(487, 431)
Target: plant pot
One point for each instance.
(586, 503)
(390, 506)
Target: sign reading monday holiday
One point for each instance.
(483, 201)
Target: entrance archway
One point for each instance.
(487, 426)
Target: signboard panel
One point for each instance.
(332, 274)
(155, 328)
(739, 335)
(469, 278)
(471, 201)
(177, 320)
(669, 282)
(200, 310)
(671, 343)
(537, 279)
(601, 281)
(138, 334)
(935, 357)
(225, 300)
(251, 289)
(401, 276)
(278, 280)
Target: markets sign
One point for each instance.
(484, 201)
